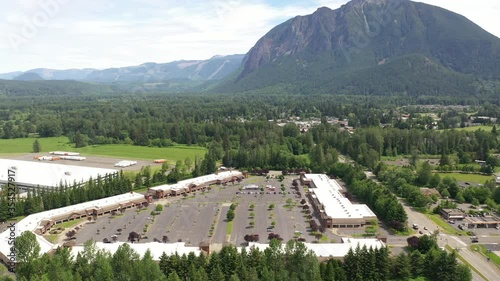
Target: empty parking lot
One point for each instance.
(202, 216)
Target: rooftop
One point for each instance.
(31, 222)
(334, 250)
(453, 211)
(199, 180)
(328, 192)
(156, 248)
(49, 174)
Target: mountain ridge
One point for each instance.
(316, 49)
(215, 68)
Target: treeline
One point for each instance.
(291, 262)
(406, 182)
(162, 120)
(425, 258)
(367, 145)
(385, 204)
(237, 129)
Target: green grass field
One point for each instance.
(229, 229)
(475, 128)
(69, 224)
(475, 178)
(444, 225)
(173, 153)
(403, 156)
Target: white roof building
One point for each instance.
(337, 210)
(332, 250)
(33, 222)
(182, 185)
(156, 248)
(32, 174)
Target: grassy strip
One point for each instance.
(407, 232)
(142, 190)
(475, 178)
(229, 229)
(69, 224)
(172, 153)
(444, 225)
(484, 251)
(18, 218)
(449, 248)
(474, 128)
(52, 238)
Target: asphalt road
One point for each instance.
(475, 259)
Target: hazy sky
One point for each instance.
(65, 34)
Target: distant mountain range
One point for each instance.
(371, 47)
(214, 68)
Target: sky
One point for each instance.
(64, 34)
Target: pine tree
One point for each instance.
(36, 146)
(417, 264)
(173, 277)
(401, 268)
(216, 274)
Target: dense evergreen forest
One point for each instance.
(237, 130)
(425, 261)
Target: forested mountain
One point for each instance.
(10, 75)
(12, 88)
(67, 74)
(372, 47)
(28, 77)
(214, 68)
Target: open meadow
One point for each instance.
(473, 178)
(475, 128)
(9, 147)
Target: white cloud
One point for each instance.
(113, 33)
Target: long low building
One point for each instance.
(321, 250)
(195, 184)
(334, 209)
(32, 175)
(156, 248)
(40, 223)
(333, 250)
(490, 221)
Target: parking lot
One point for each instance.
(202, 216)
